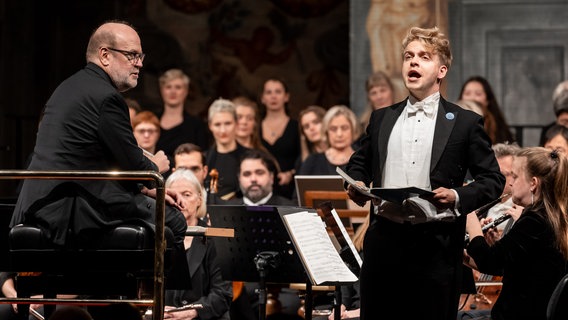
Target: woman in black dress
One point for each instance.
(207, 285)
(341, 129)
(279, 133)
(532, 256)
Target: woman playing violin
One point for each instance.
(532, 256)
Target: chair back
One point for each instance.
(314, 197)
(558, 304)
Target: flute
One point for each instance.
(479, 212)
(497, 221)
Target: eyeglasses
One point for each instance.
(132, 56)
(146, 131)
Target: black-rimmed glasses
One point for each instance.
(132, 56)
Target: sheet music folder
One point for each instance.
(395, 195)
(298, 234)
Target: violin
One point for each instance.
(488, 290)
(214, 174)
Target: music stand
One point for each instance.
(305, 183)
(259, 234)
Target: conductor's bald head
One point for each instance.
(115, 47)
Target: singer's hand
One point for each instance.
(443, 198)
(357, 197)
(162, 161)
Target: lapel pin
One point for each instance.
(450, 116)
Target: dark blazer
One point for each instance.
(460, 144)
(85, 126)
(530, 263)
(207, 285)
(424, 256)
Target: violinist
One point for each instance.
(532, 256)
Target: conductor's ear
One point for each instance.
(104, 56)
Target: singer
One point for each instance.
(426, 142)
(532, 256)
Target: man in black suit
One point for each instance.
(411, 269)
(256, 180)
(86, 126)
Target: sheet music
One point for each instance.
(321, 259)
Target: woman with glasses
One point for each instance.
(146, 130)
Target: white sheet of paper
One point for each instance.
(321, 259)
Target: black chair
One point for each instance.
(112, 263)
(558, 304)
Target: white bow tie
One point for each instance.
(427, 107)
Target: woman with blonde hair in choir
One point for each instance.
(341, 130)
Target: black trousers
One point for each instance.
(411, 271)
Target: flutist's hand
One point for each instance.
(492, 235)
(515, 211)
(357, 197)
(161, 160)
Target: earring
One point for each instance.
(532, 198)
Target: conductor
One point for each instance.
(86, 126)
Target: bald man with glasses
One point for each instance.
(86, 126)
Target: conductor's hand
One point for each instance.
(443, 198)
(357, 197)
(180, 315)
(161, 160)
(173, 198)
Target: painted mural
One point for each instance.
(229, 48)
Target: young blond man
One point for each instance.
(412, 263)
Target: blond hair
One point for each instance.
(434, 39)
(551, 169)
